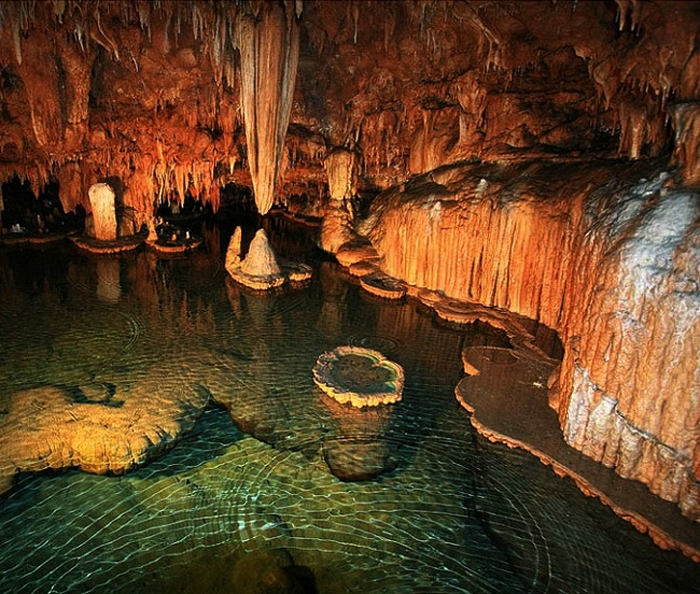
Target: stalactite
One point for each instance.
(197, 21)
(354, 8)
(389, 27)
(108, 43)
(686, 123)
(144, 11)
(166, 34)
(269, 49)
(631, 8)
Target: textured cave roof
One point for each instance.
(149, 92)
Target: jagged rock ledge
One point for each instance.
(514, 412)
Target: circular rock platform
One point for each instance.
(358, 376)
(184, 246)
(100, 246)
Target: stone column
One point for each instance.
(102, 201)
(336, 228)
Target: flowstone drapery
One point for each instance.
(269, 45)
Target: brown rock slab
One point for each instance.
(383, 285)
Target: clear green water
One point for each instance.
(456, 514)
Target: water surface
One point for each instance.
(450, 513)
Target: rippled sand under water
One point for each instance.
(456, 514)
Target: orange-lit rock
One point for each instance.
(686, 122)
(337, 225)
(161, 95)
(607, 255)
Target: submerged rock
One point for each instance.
(98, 431)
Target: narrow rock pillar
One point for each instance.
(104, 216)
(337, 228)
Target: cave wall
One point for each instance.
(630, 381)
(606, 253)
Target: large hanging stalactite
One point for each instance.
(268, 36)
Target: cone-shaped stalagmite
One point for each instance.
(269, 45)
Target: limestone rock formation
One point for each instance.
(358, 385)
(359, 376)
(260, 268)
(611, 264)
(95, 430)
(233, 252)
(524, 155)
(166, 94)
(103, 211)
(268, 38)
(630, 377)
(686, 122)
(261, 260)
(337, 226)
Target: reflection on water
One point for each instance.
(227, 509)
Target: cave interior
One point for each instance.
(540, 158)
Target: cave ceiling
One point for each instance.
(149, 92)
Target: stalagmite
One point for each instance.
(233, 252)
(260, 269)
(104, 216)
(260, 260)
(269, 45)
